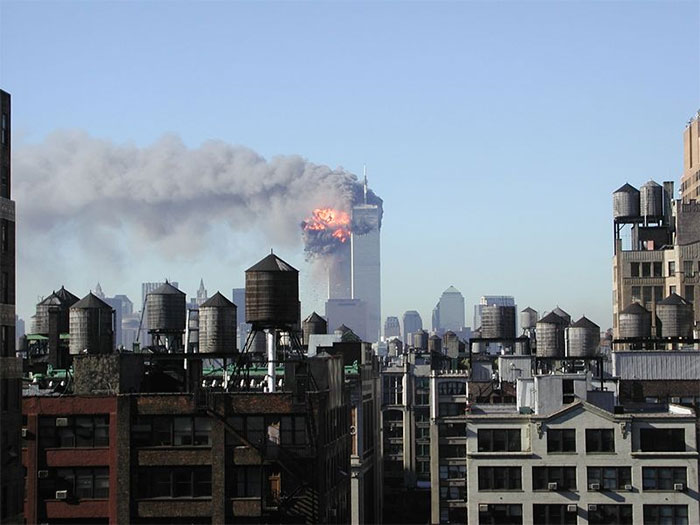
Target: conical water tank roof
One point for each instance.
(217, 325)
(272, 293)
(561, 313)
(60, 300)
(676, 316)
(91, 326)
(313, 324)
(626, 202)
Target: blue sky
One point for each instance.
(495, 132)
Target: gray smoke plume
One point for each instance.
(167, 193)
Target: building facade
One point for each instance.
(11, 486)
(365, 256)
(690, 180)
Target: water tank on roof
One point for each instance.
(626, 202)
(583, 338)
(561, 313)
(651, 200)
(528, 318)
(166, 310)
(676, 316)
(634, 322)
(420, 340)
(434, 344)
(217, 325)
(498, 322)
(59, 302)
(550, 336)
(271, 293)
(314, 324)
(91, 326)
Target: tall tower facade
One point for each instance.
(449, 314)
(690, 180)
(11, 474)
(365, 264)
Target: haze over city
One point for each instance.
(494, 133)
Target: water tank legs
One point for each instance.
(271, 358)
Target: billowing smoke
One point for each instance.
(168, 194)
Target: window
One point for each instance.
(564, 477)
(646, 269)
(658, 293)
(5, 235)
(600, 440)
(553, 515)
(663, 478)
(174, 482)
(662, 439)
(452, 492)
(688, 268)
(665, 514)
(561, 440)
(671, 268)
(500, 478)
(393, 390)
(248, 482)
(501, 515)
(689, 293)
(453, 430)
(658, 269)
(634, 269)
(636, 293)
(422, 391)
(450, 409)
(166, 431)
(78, 431)
(609, 478)
(423, 449)
(671, 289)
(452, 388)
(499, 440)
(568, 391)
(293, 430)
(453, 472)
(453, 451)
(5, 288)
(610, 515)
(646, 294)
(81, 483)
(422, 433)
(423, 469)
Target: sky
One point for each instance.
(495, 132)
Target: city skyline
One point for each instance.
(445, 132)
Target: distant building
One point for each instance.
(238, 298)
(491, 300)
(392, 328)
(412, 323)
(690, 180)
(449, 312)
(349, 312)
(20, 329)
(123, 307)
(201, 293)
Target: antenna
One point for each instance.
(364, 173)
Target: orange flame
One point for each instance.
(330, 219)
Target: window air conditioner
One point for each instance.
(592, 507)
(42, 474)
(483, 508)
(628, 487)
(25, 432)
(61, 421)
(552, 486)
(571, 508)
(675, 400)
(61, 494)
(594, 486)
(679, 486)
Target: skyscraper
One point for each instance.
(365, 262)
(412, 323)
(392, 328)
(449, 311)
(11, 474)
